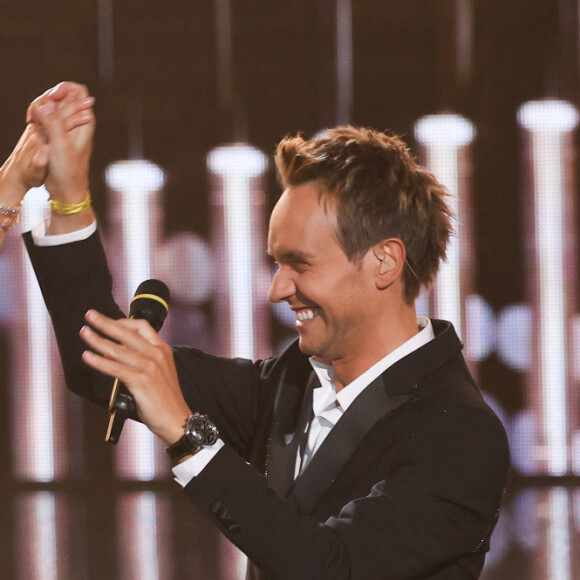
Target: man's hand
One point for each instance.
(139, 358)
(65, 119)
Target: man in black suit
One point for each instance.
(364, 450)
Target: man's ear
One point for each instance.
(387, 263)
(391, 255)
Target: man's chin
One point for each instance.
(311, 350)
(306, 347)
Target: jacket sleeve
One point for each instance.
(434, 507)
(73, 278)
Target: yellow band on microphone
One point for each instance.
(151, 297)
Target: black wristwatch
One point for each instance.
(200, 432)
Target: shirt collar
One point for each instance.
(324, 397)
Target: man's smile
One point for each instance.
(305, 314)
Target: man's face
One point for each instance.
(332, 297)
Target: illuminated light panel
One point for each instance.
(37, 537)
(237, 211)
(137, 182)
(547, 123)
(145, 537)
(237, 165)
(514, 336)
(343, 61)
(549, 115)
(558, 545)
(480, 328)
(35, 444)
(443, 136)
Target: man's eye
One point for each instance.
(299, 266)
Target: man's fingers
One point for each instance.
(133, 333)
(66, 90)
(78, 119)
(108, 366)
(111, 351)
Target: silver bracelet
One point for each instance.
(9, 216)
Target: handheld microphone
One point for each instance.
(150, 303)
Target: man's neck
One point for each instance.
(390, 336)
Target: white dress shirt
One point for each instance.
(329, 406)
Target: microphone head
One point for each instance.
(151, 303)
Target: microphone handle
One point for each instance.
(121, 406)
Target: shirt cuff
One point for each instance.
(41, 238)
(184, 472)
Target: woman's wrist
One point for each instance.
(11, 194)
(12, 188)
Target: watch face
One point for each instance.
(195, 438)
(201, 430)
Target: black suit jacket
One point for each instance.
(407, 485)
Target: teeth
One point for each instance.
(304, 315)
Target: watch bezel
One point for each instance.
(200, 431)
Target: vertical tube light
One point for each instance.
(344, 65)
(38, 395)
(237, 213)
(136, 217)
(237, 205)
(445, 140)
(550, 241)
(42, 545)
(142, 521)
(554, 558)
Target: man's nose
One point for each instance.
(282, 286)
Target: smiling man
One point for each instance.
(364, 451)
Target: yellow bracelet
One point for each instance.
(70, 208)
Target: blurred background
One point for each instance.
(192, 97)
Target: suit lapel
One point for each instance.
(288, 433)
(368, 408)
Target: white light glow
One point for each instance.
(237, 160)
(145, 537)
(145, 546)
(442, 136)
(547, 123)
(36, 459)
(447, 130)
(236, 165)
(514, 331)
(548, 115)
(549, 216)
(558, 548)
(140, 176)
(37, 537)
(239, 245)
(480, 328)
(137, 183)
